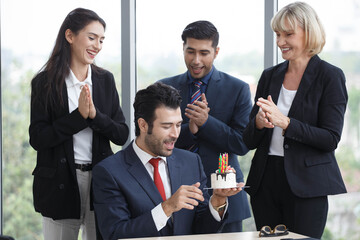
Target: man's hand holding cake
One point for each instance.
(223, 181)
(219, 197)
(225, 176)
(189, 196)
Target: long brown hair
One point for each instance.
(57, 68)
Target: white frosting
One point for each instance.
(224, 180)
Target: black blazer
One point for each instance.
(55, 188)
(317, 118)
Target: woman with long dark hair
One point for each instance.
(75, 113)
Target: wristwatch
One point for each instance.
(284, 130)
(220, 208)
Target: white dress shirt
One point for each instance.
(83, 139)
(285, 100)
(158, 214)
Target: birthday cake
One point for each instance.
(225, 176)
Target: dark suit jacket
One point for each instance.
(230, 104)
(55, 188)
(317, 118)
(125, 194)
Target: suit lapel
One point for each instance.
(96, 91)
(95, 79)
(183, 88)
(213, 89)
(141, 175)
(68, 145)
(273, 88)
(175, 182)
(305, 84)
(276, 82)
(174, 173)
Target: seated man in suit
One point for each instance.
(135, 197)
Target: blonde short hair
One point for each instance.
(303, 14)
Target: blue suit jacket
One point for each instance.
(317, 118)
(125, 194)
(230, 104)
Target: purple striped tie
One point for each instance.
(195, 97)
(197, 94)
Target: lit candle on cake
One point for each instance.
(224, 176)
(223, 162)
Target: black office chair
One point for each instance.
(3, 237)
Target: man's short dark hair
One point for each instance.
(149, 99)
(201, 30)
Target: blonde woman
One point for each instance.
(295, 127)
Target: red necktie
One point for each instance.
(157, 178)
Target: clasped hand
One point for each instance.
(197, 113)
(269, 115)
(189, 196)
(86, 106)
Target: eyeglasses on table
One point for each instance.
(279, 230)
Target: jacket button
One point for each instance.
(61, 186)
(63, 160)
(286, 146)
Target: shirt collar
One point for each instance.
(205, 79)
(144, 156)
(71, 80)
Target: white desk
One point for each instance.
(224, 236)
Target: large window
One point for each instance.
(28, 33)
(160, 23)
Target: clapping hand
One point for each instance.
(198, 114)
(269, 115)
